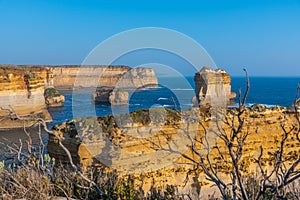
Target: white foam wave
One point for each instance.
(151, 88)
(182, 89)
(135, 104)
(251, 104)
(167, 106)
(162, 98)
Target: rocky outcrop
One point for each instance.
(68, 77)
(258, 108)
(213, 87)
(53, 98)
(133, 79)
(132, 143)
(118, 97)
(137, 78)
(22, 87)
(105, 95)
(145, 143)
(22, 93)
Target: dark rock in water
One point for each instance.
(53, 98)
(111, 96)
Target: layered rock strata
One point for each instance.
(134, 79)
(213, 88)
(144, 143)
(154, 145)
(22, 87)
(22, 95)
(69, 77)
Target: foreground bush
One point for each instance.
(32, 181)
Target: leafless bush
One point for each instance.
(223, 163)
(34, 175)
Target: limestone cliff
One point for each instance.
(133, 79)
(153, 144)
(68, 77)
(132, 143)
(213, 87)
(22, 92)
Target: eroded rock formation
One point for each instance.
(22, 92)
(258, 107)
(22, 87)
(53, 98)
(213, 88)
(152, 145)
(132, 143)
(110, 95)
(68, 77)
(133, 79)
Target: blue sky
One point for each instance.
(262, 35)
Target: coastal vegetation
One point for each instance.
(230, 153)
(35, 175)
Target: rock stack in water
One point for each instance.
(105, 95)
(133, 79)
(53, 98)
(213, 88)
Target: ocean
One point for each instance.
(176, 93)
(173, 93)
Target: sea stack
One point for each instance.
(105, 95)
(53, 98)
(213, 88)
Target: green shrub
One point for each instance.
(51, 92)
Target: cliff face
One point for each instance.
(149, 144)
(134, 146)
(113, 91)
(137, 78)
(22, 87)
(213, 87)
(22, 91)
(66, 77)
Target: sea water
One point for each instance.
(176, 93)
(172, 93)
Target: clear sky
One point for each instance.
(262, 35)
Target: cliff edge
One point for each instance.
(22, 94)
(70, 77)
